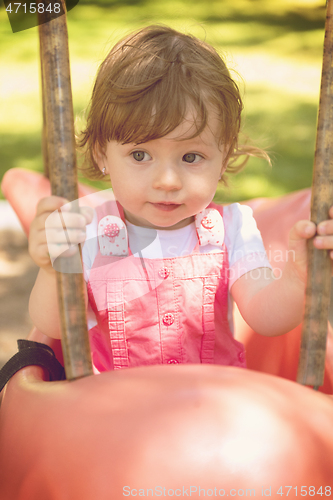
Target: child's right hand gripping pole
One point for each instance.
(62, 169)
(314, 334)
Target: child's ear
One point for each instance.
(99, 156)
(224, 167)
(224, 164)
(222, 172)
(226, 158)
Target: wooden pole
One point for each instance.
(61, 154)
(313, 346)
(44, 131)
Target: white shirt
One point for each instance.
(242, 239)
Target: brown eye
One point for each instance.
(192, 158)
(189, 157)
(138, 155)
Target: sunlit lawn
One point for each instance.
(275, 45)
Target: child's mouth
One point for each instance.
(166, 207)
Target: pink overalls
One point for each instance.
(154, 311)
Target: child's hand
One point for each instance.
(54, 232)
(304, 230)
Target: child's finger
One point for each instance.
(63, 250)
(323, 242)
(54, 211)
(88, 214)
(330, 212)
(63, 220)
(69, 236)
(325, 227)
(50, 204)
(303, 229)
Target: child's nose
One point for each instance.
(167, 178)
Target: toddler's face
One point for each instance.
(163, 183)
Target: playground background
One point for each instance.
(273, 48)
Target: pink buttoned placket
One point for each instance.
(164, 310)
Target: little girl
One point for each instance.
(162, 262)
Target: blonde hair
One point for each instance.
(145, 87)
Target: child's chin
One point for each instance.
(162, 224)
(175, 224)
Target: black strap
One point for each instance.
(32, 353)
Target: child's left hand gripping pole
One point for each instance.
(311, 366)
(61, 154)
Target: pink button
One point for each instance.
(207, 223)
(172, 362)
(168, 319)
(111, 230)
(164, 272)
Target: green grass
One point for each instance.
(275, 45)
